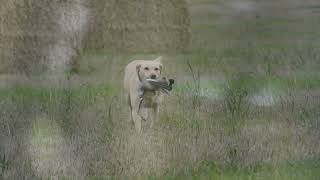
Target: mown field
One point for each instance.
(245, 105)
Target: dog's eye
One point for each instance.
(146, 68)
(156, 69)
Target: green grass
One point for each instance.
(202, 1)
(252, 84)
(312, 7)
(29, 94)
(309, 170)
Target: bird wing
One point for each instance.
(162, 84)
(164, 91)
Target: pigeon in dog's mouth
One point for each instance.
(163, 85)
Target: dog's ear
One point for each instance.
(138, 71)
(160, 66)
(159, 59)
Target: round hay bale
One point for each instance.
(149, 25)
(42, 35)
(37, 36)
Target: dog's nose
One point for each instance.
(153, 76)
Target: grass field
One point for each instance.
(245, 105)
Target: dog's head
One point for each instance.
(149, 69)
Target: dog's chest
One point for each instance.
(150, 98)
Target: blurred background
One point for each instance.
(245, 105)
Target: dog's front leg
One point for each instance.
(137, 120)
(130, 108)
(155, 114)
(134, 113)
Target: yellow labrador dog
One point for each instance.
(135, 72)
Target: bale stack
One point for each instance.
(42, 35)
(140, 25)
